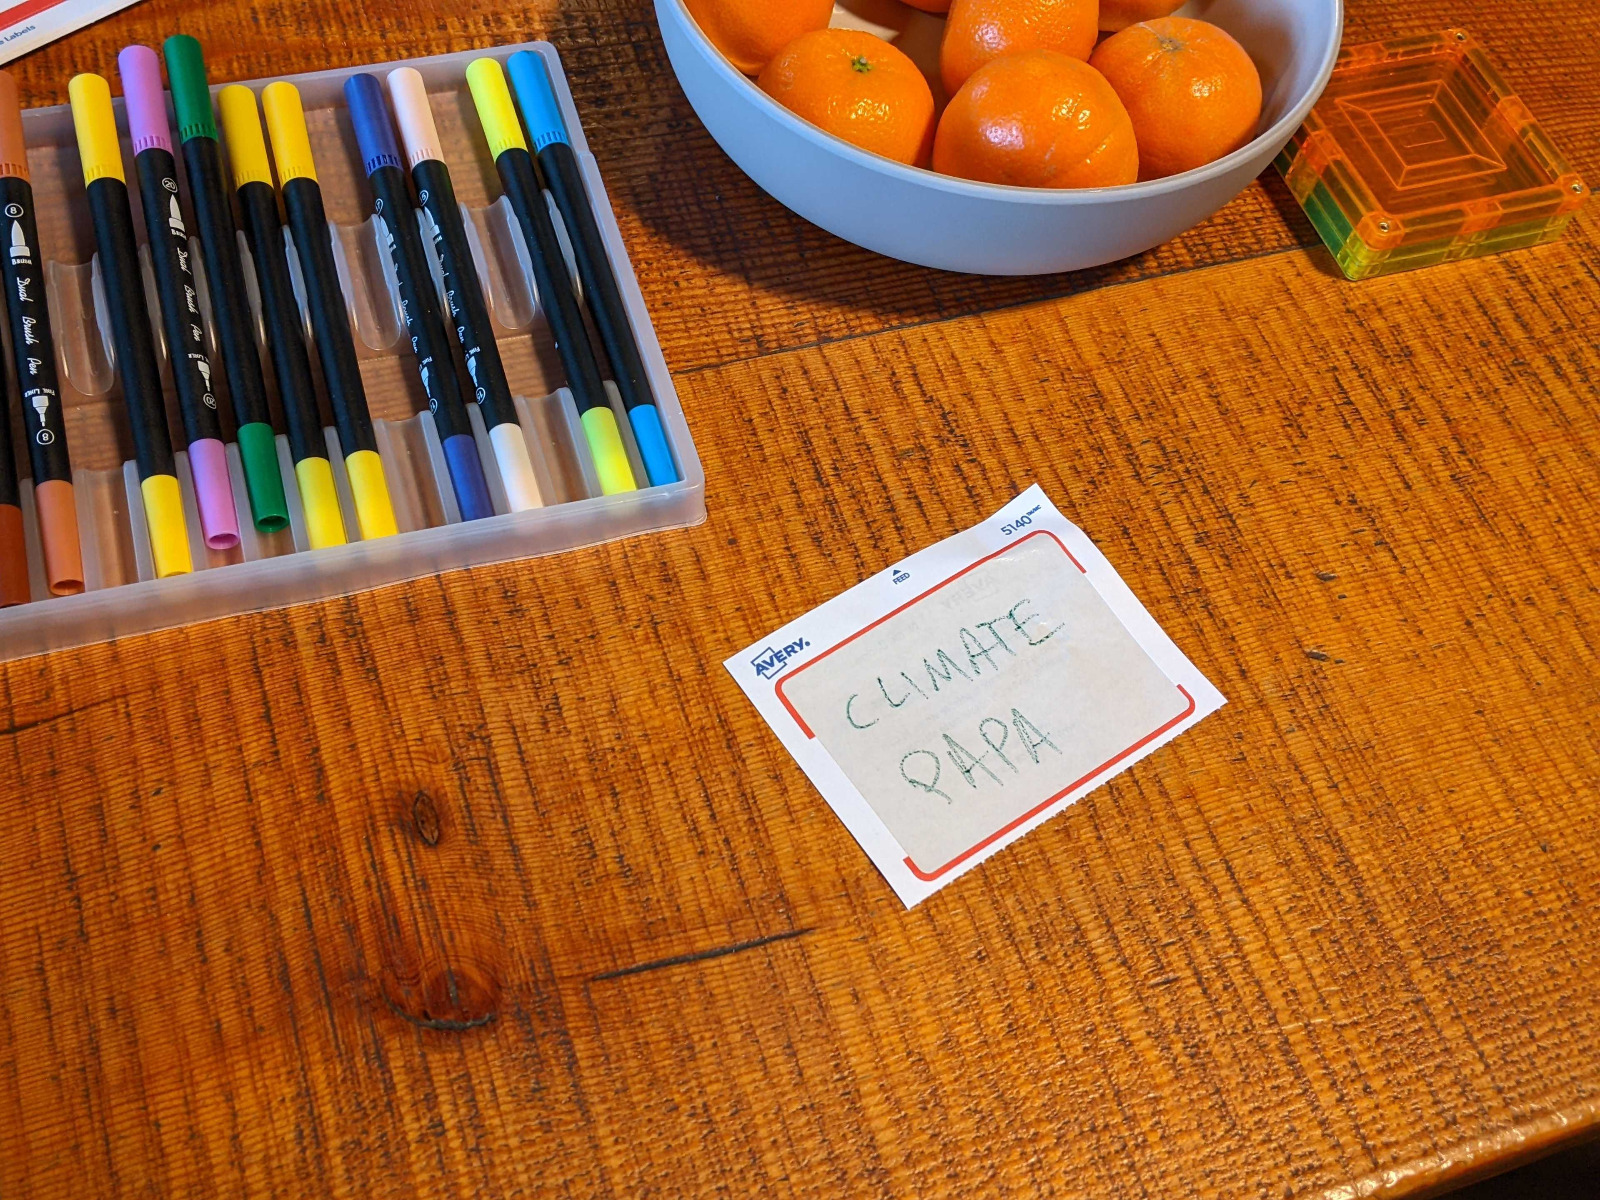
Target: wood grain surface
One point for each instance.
(493, 884)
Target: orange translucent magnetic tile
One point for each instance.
(1420, 139)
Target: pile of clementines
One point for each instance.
(1041, 93)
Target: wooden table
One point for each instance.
(494, 885)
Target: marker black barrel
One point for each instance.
(330, 323)
(130, 327)
(168, 239)
(291, 362)
(561, 311)
(32, 346)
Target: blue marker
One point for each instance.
(380, 156)
(542, 115)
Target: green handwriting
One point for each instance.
(1002, 639)
(923, 769)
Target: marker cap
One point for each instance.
(263, 480)
(537, 98)
(191, 96)
(466, 477)
(241, 128)
(516, 468)
(96, 126)
(13, 558)
(487, 80)
(13, 146)
(371, 493)
(369, 113)
(213, 494)
(57, 511)
(610, 458)
(653, 447)
(286, 126)
(411, 110)
(163, 514)
(145, 101)
(320, 499)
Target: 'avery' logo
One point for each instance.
(770, 659)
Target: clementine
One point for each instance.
(933, 6)
(980, 31)
(750, 32)
(1119, 14)
(1037, 119)
(857, 87)
(1191, 90)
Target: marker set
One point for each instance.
(423, 251)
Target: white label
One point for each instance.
(949, 704)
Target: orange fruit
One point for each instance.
(933, 6)
(1119, 14)
(1037, 119)
(1191, 90)
(857, 87)
(750, 32)
(980, 31)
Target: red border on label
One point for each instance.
(21, 12)
(929, 876)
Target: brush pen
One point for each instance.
(179, 298)
(509, 150)
(13, 541)
(330, 324)
(14, 587)
(548, 129)
(219, 245)
(463, 292)
(34, 353)
(131, 335)
(391, 196)
(263, 232)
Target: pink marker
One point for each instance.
(181, 318)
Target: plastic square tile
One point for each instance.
(1419, 152)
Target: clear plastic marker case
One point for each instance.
(267, 571)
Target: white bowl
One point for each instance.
(938, 221)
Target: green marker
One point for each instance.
(219, 245)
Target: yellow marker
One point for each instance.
(252, 173)
(610, 458)
(291, 139)
(101, 156)
(330, 322)
(492, 98)
(96, 126)
(370, 489)
(241, 125)
(324, 522)
(169, 536)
